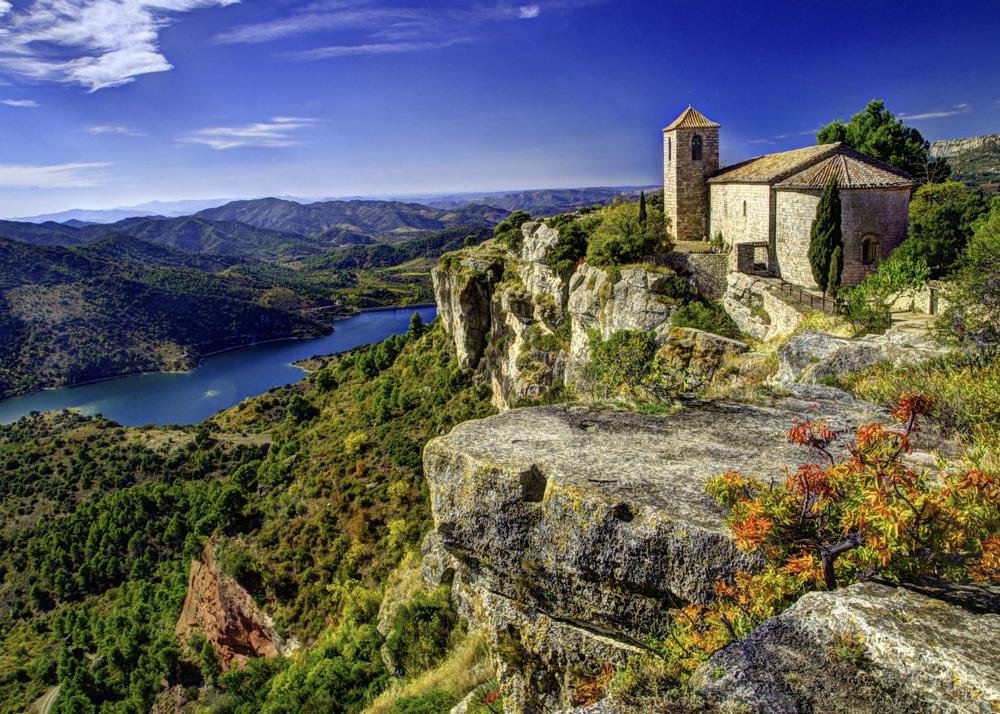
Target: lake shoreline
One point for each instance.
(199, 360)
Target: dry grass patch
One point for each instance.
(465, 668)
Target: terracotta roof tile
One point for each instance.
(691, 118)
(774, 167)
(852, 170)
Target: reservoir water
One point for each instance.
(220, 382)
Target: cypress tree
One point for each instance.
(836, 268)
(642, 208)
(825, 235)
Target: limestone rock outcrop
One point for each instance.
(527, 328)
(864, 649)
(812, 356)
(757, 309)
(576, 530)
(221, 609)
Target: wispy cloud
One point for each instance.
(279, 132)
(963, 108)
(112, 130)
(91, 43)
(377, 48)
(779, 137)
(22, 103)
(79, 175)
(375, 28)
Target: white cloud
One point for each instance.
(23, 103)
(392, 27)
(92, 43)
(277, 133)
(79, 175)
(963, 108)
(112, 130)
(379, 48)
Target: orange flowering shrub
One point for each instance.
(839, 520)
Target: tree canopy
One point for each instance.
(876, 132)
(941, 220)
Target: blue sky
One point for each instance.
(114, 102)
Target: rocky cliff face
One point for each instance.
(572, 531)
(569, 533)
(528, 329)
(218, 607)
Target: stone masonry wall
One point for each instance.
(706, 270)
(796, 211)
(727, 217)
(882, 213)
(685, 193)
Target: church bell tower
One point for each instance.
(690, 156)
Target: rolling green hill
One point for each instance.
(343, 222)
(70, 315)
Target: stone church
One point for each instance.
(764, 207)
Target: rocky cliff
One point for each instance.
(528, 330)
(219, 608)
(570, 533)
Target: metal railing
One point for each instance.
(805, 297)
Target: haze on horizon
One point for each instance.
(108, 103)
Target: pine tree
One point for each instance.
(416, 325)
(642, 208)
(825, 235)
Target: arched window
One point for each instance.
(869, 250)
(696, 148)
(669, 149)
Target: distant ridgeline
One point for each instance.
(974, 160)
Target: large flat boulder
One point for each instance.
(595, 523)
(864, 649)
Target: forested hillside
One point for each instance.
(344, 221)
(69, 315)
(313, 493)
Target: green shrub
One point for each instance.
(509, 231)
(621, 364)
(710, 317)
(868, 306)
(622, 238)
(421, 630)
(941, 223)
(433, 702)
(571, 245)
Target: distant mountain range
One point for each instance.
(120, 305)
(974, 160)
(346, 222)
(267, 229)
(538, 202)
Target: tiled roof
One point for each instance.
(691, 118)
(772, 168)
(852, 170)
(812, 166)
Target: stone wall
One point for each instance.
(882, 213)
(685, 193)
(706, 270)
(879, 213)
(727, 214)
(795, 212)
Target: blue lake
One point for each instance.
(220, 382)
